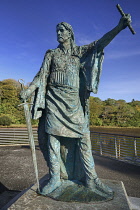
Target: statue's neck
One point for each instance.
(66, 46)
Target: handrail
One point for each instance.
(115, 134)
(118, 146)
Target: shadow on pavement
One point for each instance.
(117, 165)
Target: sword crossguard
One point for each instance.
(25, 103)
(123, 14)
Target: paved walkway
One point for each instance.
(17, 171)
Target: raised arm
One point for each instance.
(108, 37)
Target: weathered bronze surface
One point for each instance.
(61, 102)
(30, 132)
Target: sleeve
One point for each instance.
(86, 49)
(44, 70)
(91, 65)
(42, 74)
(39, 84)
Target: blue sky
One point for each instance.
(28, 30)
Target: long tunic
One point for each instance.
(59, 81)
(64, 113)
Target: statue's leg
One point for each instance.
(43, 137)
(54, 165)
(67, 151)
(86, 157)
(92, 180)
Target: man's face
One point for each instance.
(62, 34)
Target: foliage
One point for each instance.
(110, 112)
(5, 120)
(9, 101)
(96, 107)
(113, 112)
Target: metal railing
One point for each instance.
(118, 146)
(16, 136)
(122, 147)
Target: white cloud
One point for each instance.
(122, 54)
(83, 39)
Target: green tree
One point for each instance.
(5, 120)
(9, 97)
(110, 112)
(95, 111)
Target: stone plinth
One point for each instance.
(32, 201)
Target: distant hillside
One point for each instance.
(102, 113)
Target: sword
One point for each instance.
(30, 134)
(123, 14)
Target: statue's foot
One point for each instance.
(51, 186)
(97, 184)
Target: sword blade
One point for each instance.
(31, 140)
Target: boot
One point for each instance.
(97, 184)
(53, 183)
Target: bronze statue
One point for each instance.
(61, 91)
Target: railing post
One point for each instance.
(119, 149)
(135, 147)
(101, 151)
(14, 136)
(116, 150)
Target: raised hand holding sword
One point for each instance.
(126, 16)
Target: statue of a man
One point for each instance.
(61, 91)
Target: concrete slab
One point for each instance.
(29, 200)
(6, 196)
(135, 203)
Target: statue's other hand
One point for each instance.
(125, 21)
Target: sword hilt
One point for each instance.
(123, 14)
(25, 103)
(21, 81)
